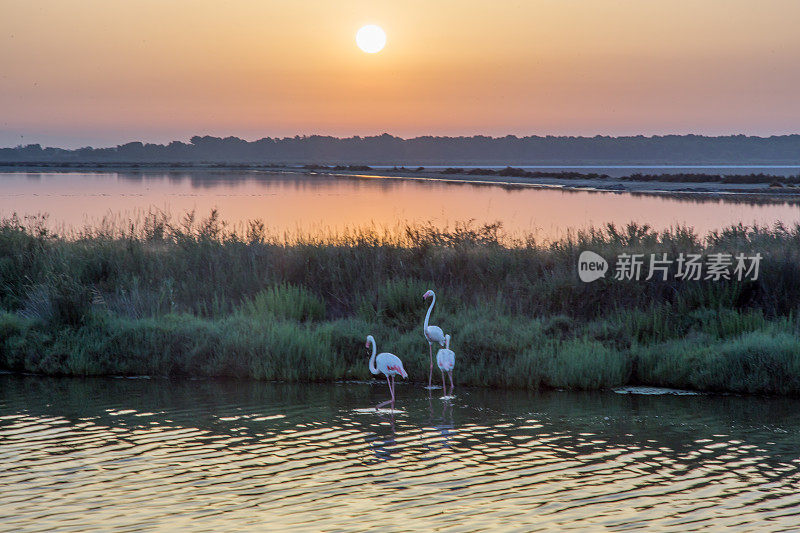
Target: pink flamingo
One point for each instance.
(432, 333)
(446, 359)
(388, 364)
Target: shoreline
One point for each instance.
(626, 184)
(772, 188)
(635, 389)
(611, 185)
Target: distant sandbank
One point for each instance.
(742, 186)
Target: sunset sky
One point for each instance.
(75, 73)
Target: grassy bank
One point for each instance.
(192, 297)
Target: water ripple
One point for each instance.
(83, 455)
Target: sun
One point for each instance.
(371, 39)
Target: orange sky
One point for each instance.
(102, 72)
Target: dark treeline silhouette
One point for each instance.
(390, 150)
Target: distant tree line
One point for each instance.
(390, 150)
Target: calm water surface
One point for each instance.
(292, 203)
(94, 454)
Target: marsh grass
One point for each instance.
(197, 297)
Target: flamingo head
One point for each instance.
(427, 295)
(369, 340)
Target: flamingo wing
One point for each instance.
(389, 364)
(435, 334)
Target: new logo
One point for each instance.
(591, 266)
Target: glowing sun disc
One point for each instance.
(371, 39)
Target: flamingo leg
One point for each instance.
(430, 374)
(452, 386)
(392, 392)
(444, 387)
(387, 401)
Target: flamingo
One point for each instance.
(388, 364)
(446, 359)
(432, 333)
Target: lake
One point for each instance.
(299, 203)
(100, 453)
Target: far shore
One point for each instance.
(742, 187)
(616, 185)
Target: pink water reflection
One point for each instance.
(318, 203)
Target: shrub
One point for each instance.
(286, 302)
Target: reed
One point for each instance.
(196, 297)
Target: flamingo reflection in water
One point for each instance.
(382, 443)
(444, 424)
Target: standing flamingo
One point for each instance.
(388, 364)
(432, 333)
(446, 359)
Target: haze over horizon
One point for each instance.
(72, 144)
(77, 73)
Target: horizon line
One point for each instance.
(299, 136)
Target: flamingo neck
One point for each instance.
(447, 342)
(428, 316)
(372, 367)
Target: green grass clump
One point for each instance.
(286, 302)
(766, 361)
